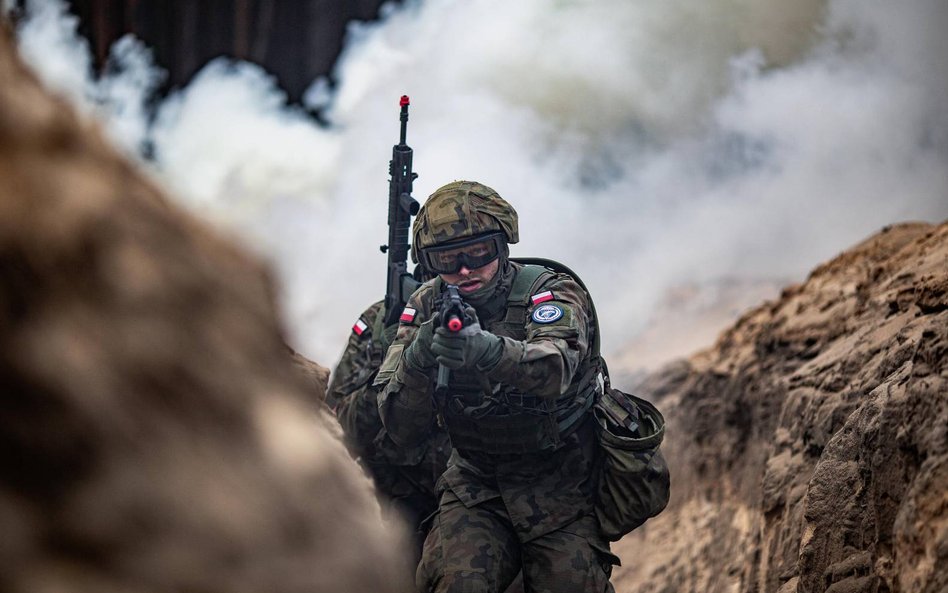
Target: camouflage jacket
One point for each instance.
(542, 490)
(398, 471)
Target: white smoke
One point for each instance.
(647, 145)
(49, 40)
(228, 145)
(123, 90)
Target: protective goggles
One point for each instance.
(471, 253)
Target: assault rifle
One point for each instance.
(452, 319)
(399, 284)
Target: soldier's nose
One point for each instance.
(464, 271)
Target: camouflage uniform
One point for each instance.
(404, 476)
(519, 487)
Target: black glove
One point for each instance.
(471, 347)
(418, 354)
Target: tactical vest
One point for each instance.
(502, 420)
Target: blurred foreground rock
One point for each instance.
(808, 447)
(155, 433)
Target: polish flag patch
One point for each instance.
(359, 327)
(408, 315)
(542, 297)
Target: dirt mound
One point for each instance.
(155, 432)
(808, 447)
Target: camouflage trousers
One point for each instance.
(476, 550)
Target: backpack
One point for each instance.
(633, 480)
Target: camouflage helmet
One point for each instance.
(460, 210)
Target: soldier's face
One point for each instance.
(469, 281)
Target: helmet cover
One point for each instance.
(461, 210)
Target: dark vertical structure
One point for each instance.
(242, 29)
(263, 29)
(294, 40)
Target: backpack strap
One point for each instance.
(382, 335)
(525, 284)
(528, 279)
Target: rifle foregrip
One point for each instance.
(444, 375)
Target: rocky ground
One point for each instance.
(808, 446)
(156, 434)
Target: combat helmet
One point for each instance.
(460, 213)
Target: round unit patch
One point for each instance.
(547, 313)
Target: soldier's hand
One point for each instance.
(471, 347)
(418, 354)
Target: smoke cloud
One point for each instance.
(49, 41)
(649, 146)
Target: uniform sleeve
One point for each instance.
(350, 393)
(558, 337)
(405, 400)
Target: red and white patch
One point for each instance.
(542, 297)
(408, 315)
(359, 327)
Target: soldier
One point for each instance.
(404, 477)
(519, 488)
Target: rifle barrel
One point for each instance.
(404, 102)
